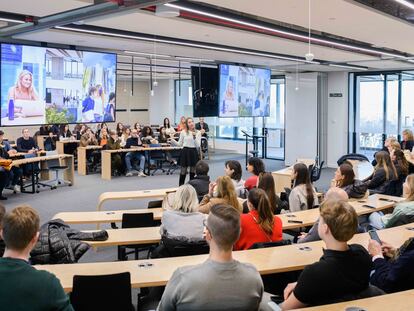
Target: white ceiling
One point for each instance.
(339, 17)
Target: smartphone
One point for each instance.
(387, 200)
(369, 206)
(276, 299)
(374, 235)
(295, 221)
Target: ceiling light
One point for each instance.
(194, 58)
(149, 54)
(406, 3)
(12, 20)
(196, 45)
(348, 66)
(165, 11)
(313, 39)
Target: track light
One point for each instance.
(406, 3)
(348, 66)
(286, 33)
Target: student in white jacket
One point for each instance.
(303, 195)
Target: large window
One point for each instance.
(231, 128)
(383, 106)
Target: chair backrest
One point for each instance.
(130, 220)
(316, 172)
(270, 244)
(178, 248)
(370, 291)
(155, 204)
(102, 292)
(352, 156)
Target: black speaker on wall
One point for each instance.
(205, 86)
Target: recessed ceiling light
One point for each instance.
(406, 3)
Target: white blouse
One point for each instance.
(187, 139)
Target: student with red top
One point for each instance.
(254, 166)
(259, 225)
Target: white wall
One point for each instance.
(301, 117)
(161, 105)
(337, 117)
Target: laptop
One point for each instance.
(30, 108)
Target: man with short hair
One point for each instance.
(201, 181)
(220, 283)
(202, 127)
(22, 286)
(26, 143)
(8, 178)
(342, 271)
(334, 193)
(134, 156)
(2, 245)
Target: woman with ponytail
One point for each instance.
(259, 225)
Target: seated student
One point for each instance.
(169, 130)
(103, 137)
(65, 133)
(254, 166)
(202, 127)
(232, 168)
(88, 139)
(147, 136)
(183, 221)
(259, 225)
(403, 212)
(26, 143)
(220, 283)
(8, 178)
(220, 192)
(201, 180)
(126, 133)
(392, 269)
(402, 166)
(384, 173)
(333, 194)
(345, 179)
(114, 144)
(303, 195)
(342, 271)
(387, 146)
(119, 129)
(393, 145)
(26, 288)
(407, 142)
(134, 156)
(267, 183)
(164, 138)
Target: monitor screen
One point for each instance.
(244, 91)
(41, 85)
(205, 91)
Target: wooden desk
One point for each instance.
(266, 260)
(64, 160)
(82, 161)
(152, 235)
(60, 145)
(106, 157)
(132, 195)
(283, 177)
(41, 141)
(103, 216)
(401, 301)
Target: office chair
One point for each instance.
(130, 220)
(102, 292)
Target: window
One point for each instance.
(383, 106)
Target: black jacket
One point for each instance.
(357, 190)
(377, 183)
(200, 184)
(132, 142)
(407, 145)
(205, 127)
(58, 243)
(395, 275)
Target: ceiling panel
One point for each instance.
(339, 17)
(41, 7)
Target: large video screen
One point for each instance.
(41, 85)
(244, 91)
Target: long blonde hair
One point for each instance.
(226, 190)
(185, 199)
(20, 88)
(410, 181)
(409, 134)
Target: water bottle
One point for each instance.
(11, 109)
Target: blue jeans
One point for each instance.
(132, 157)
(376, 221)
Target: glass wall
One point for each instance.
(383, 106)
(231, 128)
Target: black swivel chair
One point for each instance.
(316, 172)
(135, 221)
(270, 244)
(102, 292)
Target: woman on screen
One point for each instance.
(99, 104)
(110, 109)
(229, 105)
(24, 87)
